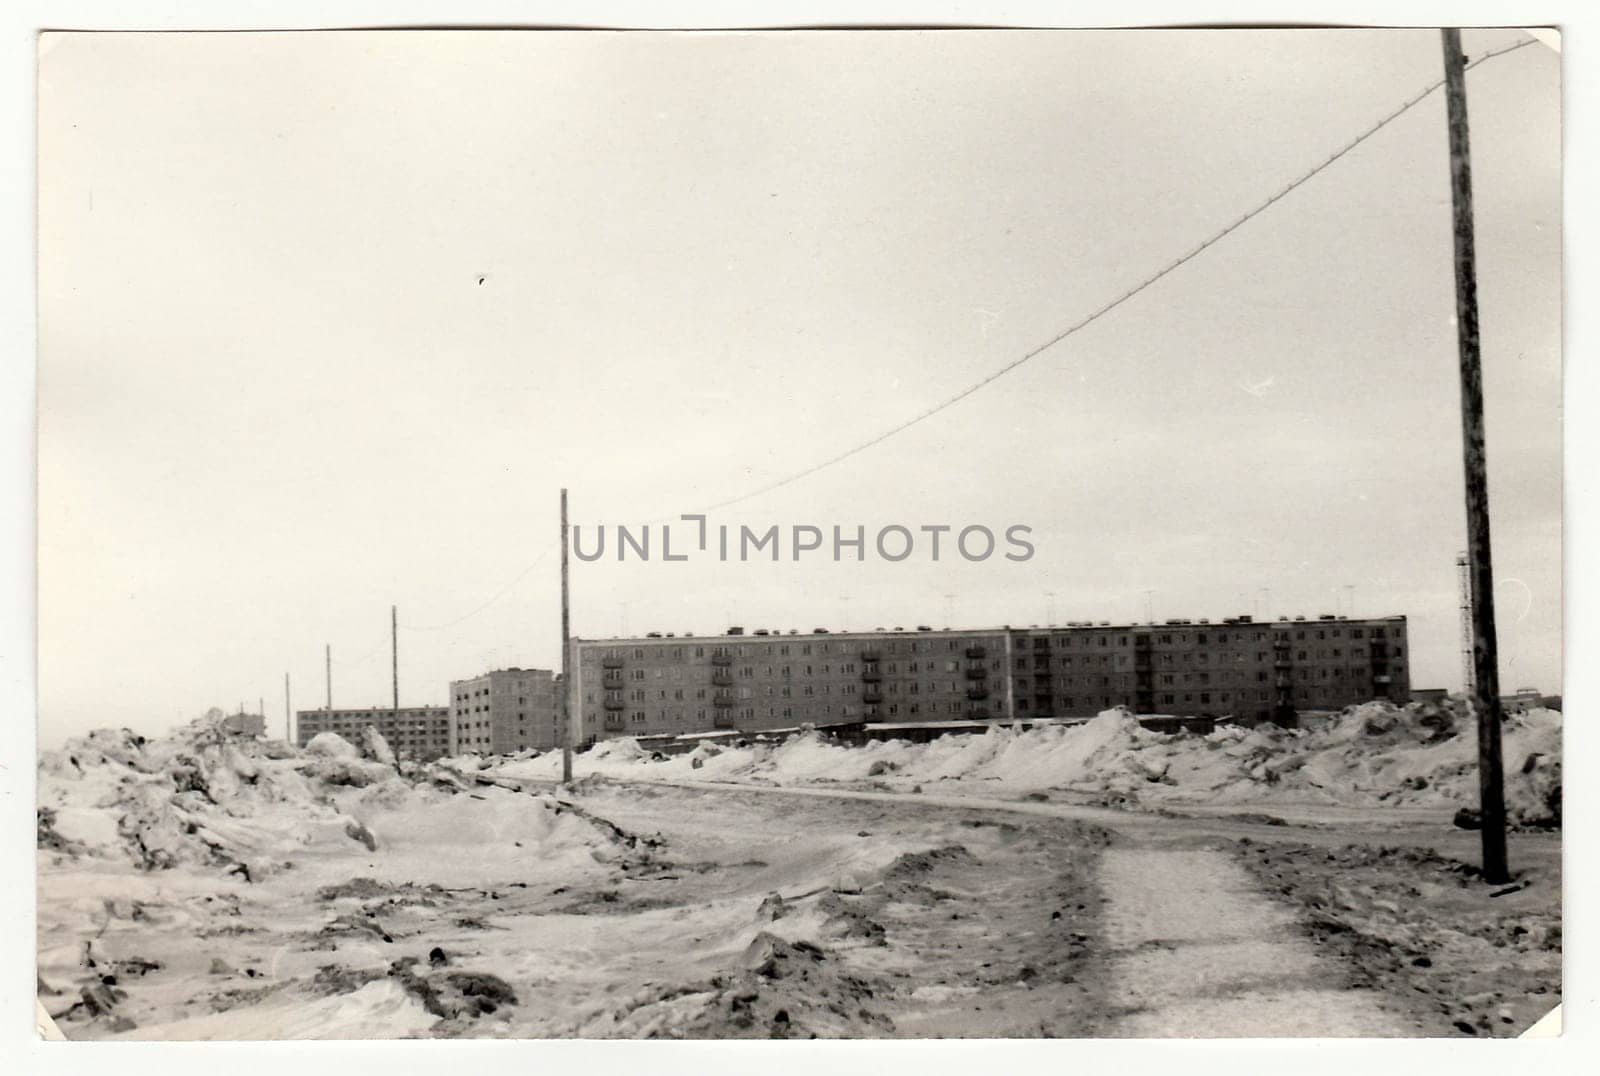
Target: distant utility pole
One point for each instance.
(394, 654)
(261, 706)
(1486, 672)
(566, 653)
(327, 668)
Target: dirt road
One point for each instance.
(717, 910)
(1307, 921)
(1197, 951)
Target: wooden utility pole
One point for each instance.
(566, 653)
(1485, 660)
(394, 654)
(327, 669)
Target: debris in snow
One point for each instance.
(357, 832)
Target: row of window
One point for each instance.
(1062, 640)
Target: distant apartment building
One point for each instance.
(504, 711)
(419, 733)
(1240, 668)
(243, 724)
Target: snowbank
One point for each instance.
(1422, 755)
(201, 798)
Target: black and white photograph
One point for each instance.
(893, 533)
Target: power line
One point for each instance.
(1027, 356)
(502, 592)
(363, 658)
(1099, 313)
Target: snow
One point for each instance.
(203, 837)
(282, 865)
(1376, 754)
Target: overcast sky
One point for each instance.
(327, 319)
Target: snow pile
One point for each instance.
(202, 798)
(1421, 755)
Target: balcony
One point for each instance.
(612, 680)
(977, 692)
(977, 672)
(722, 701)
(615, 704)
(722, 659)
(615, 723)
(977, 653)
(611, 663)
(871, 655)
(722, 678)
(872, 676)
(872, 697)
(722, 720)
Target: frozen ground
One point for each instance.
(198, 887)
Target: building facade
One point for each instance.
(504, 711)
(1239, 668)
(420, 733)
(243, 724)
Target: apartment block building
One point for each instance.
(1240, 668)
(630, 687)
(504, 711)
(420, 733)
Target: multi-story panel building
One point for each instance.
(1238, 667)
(766, 681)
(1250, 671)
(420, 733)
(504, 711)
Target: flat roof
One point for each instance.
(895, 633)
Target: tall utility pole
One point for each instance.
(394, 654)
(1486, 673)
(327, 670)
(566, 653)
(288, 723)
